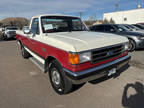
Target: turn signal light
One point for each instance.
(73, 58)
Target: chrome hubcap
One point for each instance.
(55, 77)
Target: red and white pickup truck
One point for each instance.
(69, 52)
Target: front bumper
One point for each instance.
(11, 35)
(96, 72)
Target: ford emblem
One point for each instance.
(110, 53)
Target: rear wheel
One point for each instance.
(132, 45)
(58, 79)
(25, 53)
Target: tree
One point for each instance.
(112, 21)
(18, 22)
(93, 17)
(105, 21)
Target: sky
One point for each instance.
(29, 8)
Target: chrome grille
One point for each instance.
(12, 32)
(106, 53)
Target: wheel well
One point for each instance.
(47, 63)
(20, 43)
(132, 40)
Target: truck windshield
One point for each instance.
(51, 24)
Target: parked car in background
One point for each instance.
(136, 39)
(139, 26)
(9, 32)
(133, 28)
(69, 53)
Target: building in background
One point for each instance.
(126, 17)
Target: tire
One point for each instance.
(132, 45)
(5, 37)
(58, 80)
(25, 54)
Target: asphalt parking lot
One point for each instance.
(24, 85)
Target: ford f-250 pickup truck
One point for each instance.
(71, 54)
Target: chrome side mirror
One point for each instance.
(26, 30)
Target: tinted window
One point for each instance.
(139, 26)
(109, 28)
(92, 28)
(35, 26)
(99, 28)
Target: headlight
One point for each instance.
(140, 37)
(79, 58)
(84, 57)
(126, 46)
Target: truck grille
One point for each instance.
(12, 32)
(106, 53)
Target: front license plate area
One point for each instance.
(112, 71)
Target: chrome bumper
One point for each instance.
(11, 35)
(96, 72)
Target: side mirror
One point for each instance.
(26, 31)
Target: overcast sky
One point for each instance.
(28, 8)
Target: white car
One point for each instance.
(9, 32)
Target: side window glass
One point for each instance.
(35, 26)
(99, 28)
(109, 28)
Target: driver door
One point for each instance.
(32, 37)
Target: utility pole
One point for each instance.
(116, 7)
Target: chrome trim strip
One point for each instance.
(95, 68)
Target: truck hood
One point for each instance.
(85, 40)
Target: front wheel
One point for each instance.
(25, 54)
(58, 79)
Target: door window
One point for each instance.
(109, 28)
(35, 26)
(99, 28)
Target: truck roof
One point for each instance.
(54, 15)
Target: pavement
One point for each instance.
(24, 85)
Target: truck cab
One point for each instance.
(70, 53)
